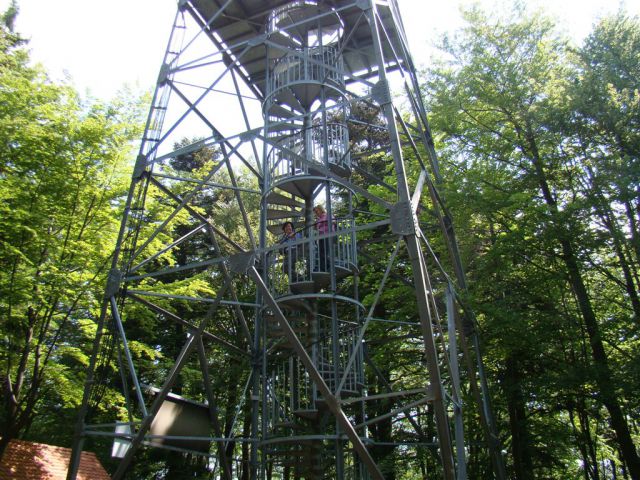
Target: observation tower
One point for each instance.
(283, 298)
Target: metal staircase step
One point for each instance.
(321, 280)
(291, 314)
(280, 111)
(279, 332)
(275, 198)
(300, 185)
(340, 170)
(279, 214)
(285, 424)
(306, 286)
(290, 127)
(307, 414)
(285, 40)
(299, 325)
(276, 139)
(287, 97)
(346, 270)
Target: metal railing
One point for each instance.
(296, 153)
(296, 260)
(302, 18)
(323, 65)
(290, 264)
(345, 255)
(333, 369)
(290, 388)
(283, 12)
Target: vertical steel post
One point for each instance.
(455, 380)
(415, 253)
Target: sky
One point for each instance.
(99, 46)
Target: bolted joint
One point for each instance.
(364, 5)
(114, 279)
(256, 41)
(216, 136)
(403, 219)
(242, 262)
(164, 74)
(140, 167)
(380, 93)
(247, 136)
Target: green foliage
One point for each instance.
(539, 147)
(63, 176)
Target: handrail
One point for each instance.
(307, 65)
(328, 142)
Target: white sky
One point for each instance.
(101, 45)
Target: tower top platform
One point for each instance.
(241, 31)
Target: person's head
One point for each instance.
(318, 210)
(287, 228)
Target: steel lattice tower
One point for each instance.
(266, 349)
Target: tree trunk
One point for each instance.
(633, 228)
(585, 440)
(520, 444)
(4, 441)
(246, 433)
(381, 432)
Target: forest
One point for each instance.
(539, 146)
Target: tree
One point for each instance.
(501, 103)
(604, 133)
(62, 178)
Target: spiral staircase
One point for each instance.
(305, 111)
